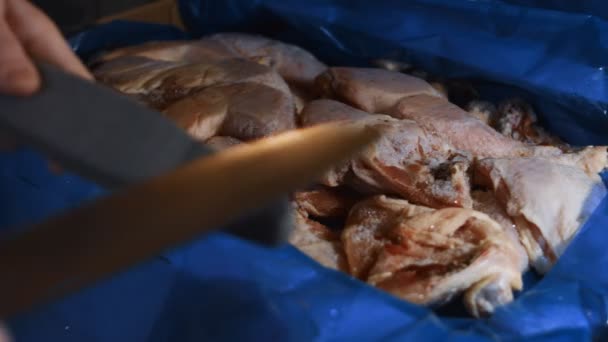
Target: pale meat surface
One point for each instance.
(191, 51)
(371, 90)
(461, 129)
(547, 201)
(245, 111)
(405, 161)
(486, 202)
(297, 66)
(428, 256)
(317, 241)
(325, 202)
(161, 83)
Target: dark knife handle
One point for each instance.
(96, 132)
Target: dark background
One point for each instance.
(74, 15)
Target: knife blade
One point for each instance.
(96, 132)
(87, 244)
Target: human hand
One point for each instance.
(27, 34)
(4, 336)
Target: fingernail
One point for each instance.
(19, 82)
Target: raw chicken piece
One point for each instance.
(163, 83)
(548, 202)
(428, 256)
(220, 143)
(245, 111)
(405, 161)
(296, 65)
(591, 159)
(517, 120)
(323, 111)
(190, 51)
(372, 90)
(366, 227)
(317, 241)
(406, 97)
(458, 127)
(129, 74)
(486, 202)
(325, 202)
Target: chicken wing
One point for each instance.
(428, 256)
(548, 202)
(406, 160)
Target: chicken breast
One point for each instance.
(428, 256)
(547, 201)
(406, 160)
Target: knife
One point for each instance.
(82, 246)
(97, 132)
(105, 137)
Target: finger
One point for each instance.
(18, 76)
(42, 39)
(4, 335)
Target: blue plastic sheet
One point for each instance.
(219, 288)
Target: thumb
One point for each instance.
(18, 76)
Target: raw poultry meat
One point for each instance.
(296, 65)
(317, 241)
(326, 202)
(484, 192)
(406, 160)
(371, 90)
(548, 202)
(451, 122)
(232, 97)
(189, 51)
(406, 97)
(162, 83)
(486, 202)
(428, 256)
(245, 111)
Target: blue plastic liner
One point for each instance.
(222, 289)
